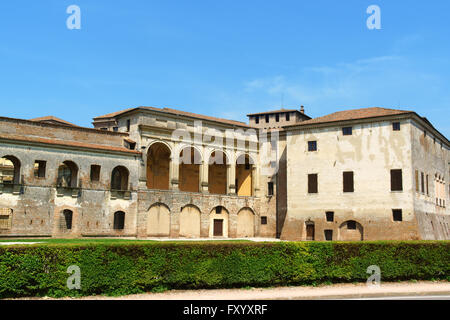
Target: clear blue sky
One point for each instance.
(223, 58)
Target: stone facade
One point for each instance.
(149, 172)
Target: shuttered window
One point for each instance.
(312, 183)
(348, 181)
(396, 180)
(5, 218)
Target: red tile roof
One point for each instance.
(175, 112)
(66, 143)
(352, 115)
(53, 119)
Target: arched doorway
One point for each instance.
(119, 178)
(190, 222)
(351, 231)
(190, 160)
(244, 175)
(218, 222)
(158, 166)
(67, 175)
(217, 173)
(245, 223)
(66, 220)
(9, 170)
(158, 221)
(119, 220)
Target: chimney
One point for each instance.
(302, 109)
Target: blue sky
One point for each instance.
(223, 58)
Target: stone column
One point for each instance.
(204, 177)
(231, 179)
(174, 174)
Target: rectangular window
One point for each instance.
(422, 182)
(312, 183)
(348, 181)
(288, 117)
(5, 218)
(428, 187)
(267, 118)
(95, 173)
(277, 118)
(115, 129)
(312, 145)
(270, 188)
(264, 220)
(330, 216)
(417, 180)
(257, 120)
(39, 168)
(219, 210)
(396, 126)
(397, 215)
(128, 125)
(329, 235)
(347, 131)
(396, 180)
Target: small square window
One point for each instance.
(347, 131)
(397, 215)
(95, 173)
(351, 225)
(329, 235)
(330, 216)
(39, 168)
(396, 126)
(312, 145)
(264, 220)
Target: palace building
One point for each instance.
(145, 172)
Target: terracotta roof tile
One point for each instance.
(53, 119)
(66, 143)
(176, 112)
(352, 115)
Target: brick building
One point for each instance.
(145, 172)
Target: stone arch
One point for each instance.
(351, 230)
(218, 162)
(67, 175)
(10, 169)
(190, 160)
(218, 222)
(244, 175)
(246, 223)
(158, 165)
(158, 220)
(119, 178)
(190, 221)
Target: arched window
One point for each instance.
(119, 178)
(119, 220)
(67, 175)
(9, 170)
(244, 175)
(158, 165)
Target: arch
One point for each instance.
(217, 172)
(218, 222)
(119, 220)
(158, 166)
(66, 220)
(158, 220)
(119, 178)
(10, 170)
(244, 175)
(351, 230)
(189, 169)
(67, 175)
(190, 222)
(246, 223)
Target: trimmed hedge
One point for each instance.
(118, 269)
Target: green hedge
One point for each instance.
(117, 269)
